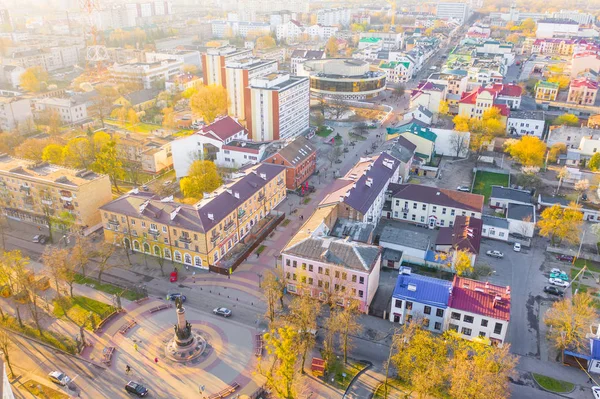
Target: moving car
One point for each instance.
(464, 189)
(222, 312)
(565, 258)
(562, 275)
(552, 290)
(558, 282)
(136, 388)
(517, 247)
(175, 295)
(59, 378)
(495, 254)
(40, 238)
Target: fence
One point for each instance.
(582, 255)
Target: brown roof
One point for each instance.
(296, 151)
(438, 196)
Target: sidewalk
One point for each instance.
(365, 384)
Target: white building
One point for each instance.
(521, 219)
(495, 228)
(553, 27)
(290, 31)
(70, 111)
(334, 16)
(581, 18)
(187, 57)
(323, 32)
(501, 197)
(15, 112)
(390, 40)
(279, 106)
(397, 72)
(148, 75)
(526, 123)
(457, 11)
(299, 56)
(214, 61)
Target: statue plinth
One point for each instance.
(186, 344)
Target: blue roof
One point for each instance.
(427, 290)
(595, 348)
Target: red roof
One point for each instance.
(466, 234)
(584, 82)
(504, 109)
(480, 298)
(508, 90)
(223, 128)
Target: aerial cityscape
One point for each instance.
(310, 199)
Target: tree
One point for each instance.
(210, 102)
(569, 320)
(399, 91)
(561, 224)
(461, 123)
(168, 118)
(56, 261)
(566, 119)
(282, 345)
(265, 42)
(334, 154)
(562, 173)
(53, 153)
(189, 68)
(189, 92)
(132, 117)
(347, 325)
(303, 317)
(528, 25)
(512, 38)
(332, 48)
(202, 178)
(78, 153)
(109, 163)
(529, 151)
(582, 185)
(103, 252)
(594, 162)
(459, 142)
(104, 102)
(562, 80)
(120, 114)
(81, 253)
(444, 108)
(30, 149)
(6, 348)
(561, 148)
(34, 79)
(272, 288)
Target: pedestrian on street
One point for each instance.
(127, 369)
(156, 360)
(135, 346)
(590, 380)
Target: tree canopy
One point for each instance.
(529, 151)
(209, 102)
(561, 223)
(566, 119)
(202, 178)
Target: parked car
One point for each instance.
(517, 247)
(222, 312)
(175, 295)
(59, 378)
(464, 189)
(552, 290)
(555, 270)
(40, 239)
(562, 275)
(136, 388)
(495, 254)
(558, 282)
(565, 258)
(596, 392)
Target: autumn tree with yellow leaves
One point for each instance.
(529, 151)
(209, 102)
(202, 178)
(34, 79)
(561, 223)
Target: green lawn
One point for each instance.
(51, 338)
(324, 131)
(285, 222)
(394, 385)
(591, 265)
(306, 200)
(485, 180)
(80, 309)
(142, 128)
(42, 391)
(552, 385)
(337, 371)
(109, 288)
(260, 249)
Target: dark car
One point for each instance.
(552, 290)
(172, 297)
(565, 258)
(136, 388)
(222, 312)
(40, 239)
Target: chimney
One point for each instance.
(508, 290)
(369, 181)
(135, 191)
(263, 176)
(236, 195)
(229, 191)
(211, 216)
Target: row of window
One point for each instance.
(466, 331)
(470, 319)
(321, 270)
(323, 284)
(426, 309)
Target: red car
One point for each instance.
(565, 258)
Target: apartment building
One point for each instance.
(299, 56)
(457, 11)
(585, 61)
(329, 268)
(428, 95)
(397, 72)
(431, 206)
(300, 158)
(152, 153)
(11, 75)
(69, 110)
(15, 113)
(186, 57)
(583, 91)
(546, 91)
(50, 59)
(238, 75)
(526, 123)
(148, 75)
(33, 190)
(334, 16)
(215, 59)
(478, 309)
(195, 235)
(503, 97)
(388, 40)
(279, 106)
(183, 82)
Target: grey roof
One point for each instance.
(536, 115)
(573, 155)
(558, 21)
(406, 238)
(141, 96)
(336, 251)
(357, 231)
(402, 149)
(511, 194)
(438, 196)
(425, 111)
(546, 199)
(494, 221)
(308, 54)
(297, 151)
(520, 212)
(391, 254)
(362, 196)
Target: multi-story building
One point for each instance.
(546, 91)
(553, 46)
(50, 59)
(279, 106)
(431, 206)
(581, 18)
(555, 27)
(299, 56)
(455, 82)
(289, 31)
(361, 193)
(422, 297)
(388, 40)
(300, 158)
(585, 61)
(321, 32)
(215, 60)
(15, 113)
(183, 82)
(503, 97)
(69, 110)
(238, 75)
(397, 72)
(186, 57)
(11, 75)
(429, 95)
(223, 29)
(331, 269)
(582, 91)
(196, 235)
(334, 16)
(526, 123)
(152, 153)
(457, 11)
(34, 191)
(478, 309)
(148, 75)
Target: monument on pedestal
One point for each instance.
(185, 344)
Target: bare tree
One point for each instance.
(335, 108)
(56, 261)
(103, 252)
(5, 347)
(459, 142)
(334, 154)
(272, 288)
(81, 253)
(303, 316)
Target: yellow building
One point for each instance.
(200, 234)
(546, 91)
(139, 100)
(32, 191)
(152, 153)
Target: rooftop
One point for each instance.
(223, 128)
(494, 221)
(480, 298)
(423, 289)
(404, 237)
(296, 151)
(464, 235)
(521, 212)
(438, 196)
(533, 115)
(511, 194)
(141, 96)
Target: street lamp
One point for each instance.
(259, 277)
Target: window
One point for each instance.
(344, 276)
(415, 205)
(327, 272)
(452, 212)
(443, 211)
(427, 310)
(197, 261)
(452, 327)
(409, 305)
(361, 280)
(353, 291)
(164, 229)
(178, 256)
(439, 312)
(424, 207)
(294, 276)
(426, 323)
(468, 319)
(466, 331)
(310, 280)
(294, 264)
(303, 279)
(310, 268)
(167, 253)
(320, 283)
(320, 270)
(484, 322)
(455, 316)
(422, 219)
(143, 224)
(354, 278)
(287, 262)
(498, 328)
(482, 334)
(337, 274)
(304, 266)
(360, 293)
(433, 208)
(437, 326)
(398, 303)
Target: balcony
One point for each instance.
(114, 222)
(280, 182)
(152, 231)
(214, 238)
(261, 197)
(66, 195)
(69, 206)
(404, 210)
(185, 239)
(241, 213)
(26, 190)
(47, 201)
(66, 199)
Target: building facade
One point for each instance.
(147, 75)
(300, 158)
(69, 111)
(214, 61)
(15, 113)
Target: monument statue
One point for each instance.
(185, 344)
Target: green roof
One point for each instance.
(370, 40)
(546, 85)
(413, 128)
(394, 64)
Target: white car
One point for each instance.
(596, 392)
(59, 378)
(558, 282)
(556, 270)
(517, 247)
(495, 254)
